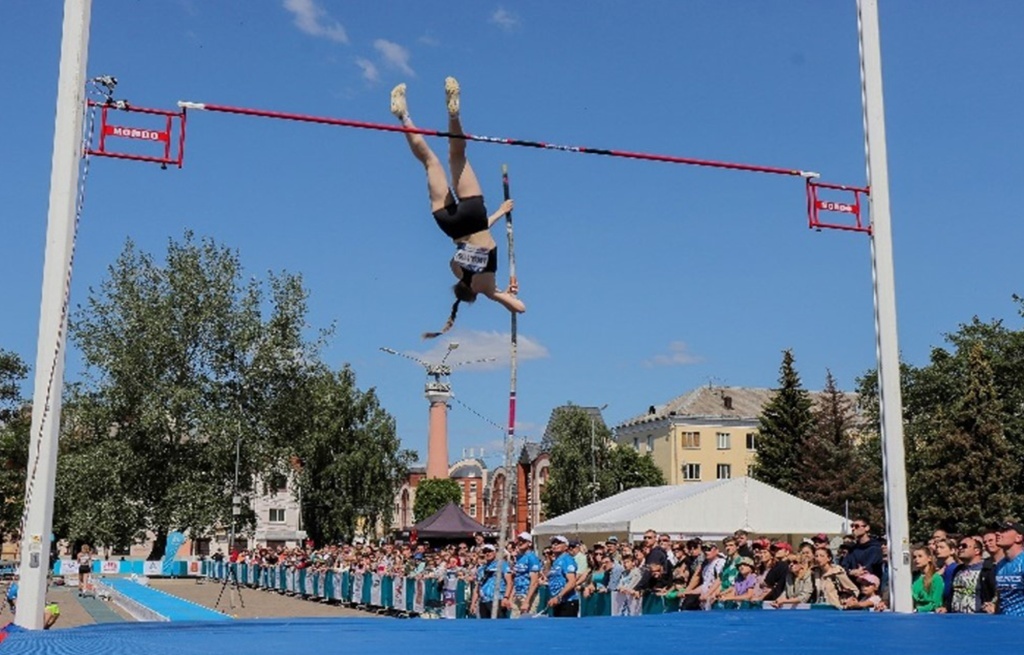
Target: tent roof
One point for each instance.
(706, 508)
(449, 522)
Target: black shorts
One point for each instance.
(458, 220)
(84, 569)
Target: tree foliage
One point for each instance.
(184, 358)
(582, 452)
(434, 493)
(15, 427)
(351, 458)
(784, 427)
(963, 420)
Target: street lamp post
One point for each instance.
(593, 456)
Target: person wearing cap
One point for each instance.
(562, 579)
(799, 584)
(491, 581)
(525, 577)
(868, 598)
(611, 546)
(703, 584)
(744, 586)
(1010, 571)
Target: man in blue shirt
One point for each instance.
(525, 577)
(488, 584)
(1010, 570)
(562, 580)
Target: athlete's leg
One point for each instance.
(437, 182)
(463, 178)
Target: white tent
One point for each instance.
(708, 510)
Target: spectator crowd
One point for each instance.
(962, 574)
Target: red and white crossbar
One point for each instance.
(502, 140)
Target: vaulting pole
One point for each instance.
(510, 437)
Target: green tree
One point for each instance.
(352, 463)
(628, 469)
(967, 473)
(784, 426)
(15, 426)
(831, 469)
(181, 363)
(434, 493)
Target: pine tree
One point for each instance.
(967, 469)
(829, 464)
(784, 426)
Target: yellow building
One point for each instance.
(709, 433)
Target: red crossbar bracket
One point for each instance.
(816, 205)
(168, 136)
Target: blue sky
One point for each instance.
(642, 279)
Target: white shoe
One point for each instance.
(451, 92)
(398, 105)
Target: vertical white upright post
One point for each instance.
(53, 319)
(890, 399)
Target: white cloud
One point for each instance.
(314, 20)
(678, 355)
(369, 69)
(505, 19)
(394, 56)
(490, 346)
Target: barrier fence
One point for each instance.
(412, 595)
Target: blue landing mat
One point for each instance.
(164, 604)
(721, 633)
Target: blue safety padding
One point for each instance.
(719, 632)
(172, 607)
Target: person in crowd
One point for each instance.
(744, 586)
(12, 594)
(945, 551)
(611, 546)
(743, 544)
(937, 535)
(525, 577)
(579, 553)
(730, 569)
(492, 581)
(865, 553)
(776, 566)
(799, 584)
(868, 598)
(832, 585)
(562, 579)
(926, 591)
(1010, 570)
(992, 549)
(973, 586)
(627, 596)
(665, 544)
(704, 585)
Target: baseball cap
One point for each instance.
(746, 560)
(575, 542)
(821, 537)
(488, 547)
(613, 539)
(781, 545)
(525, 536)
(1012, 525)
(560, 539)
(870, 578)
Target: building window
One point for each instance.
(723, 440)
(724, 471)
(751, 443)
(472, 509)
(691, 440)
(472, 489)
(691, 471)
(277, 516)
(636, 444)
(650, 443)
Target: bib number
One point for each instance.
(471, 258)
